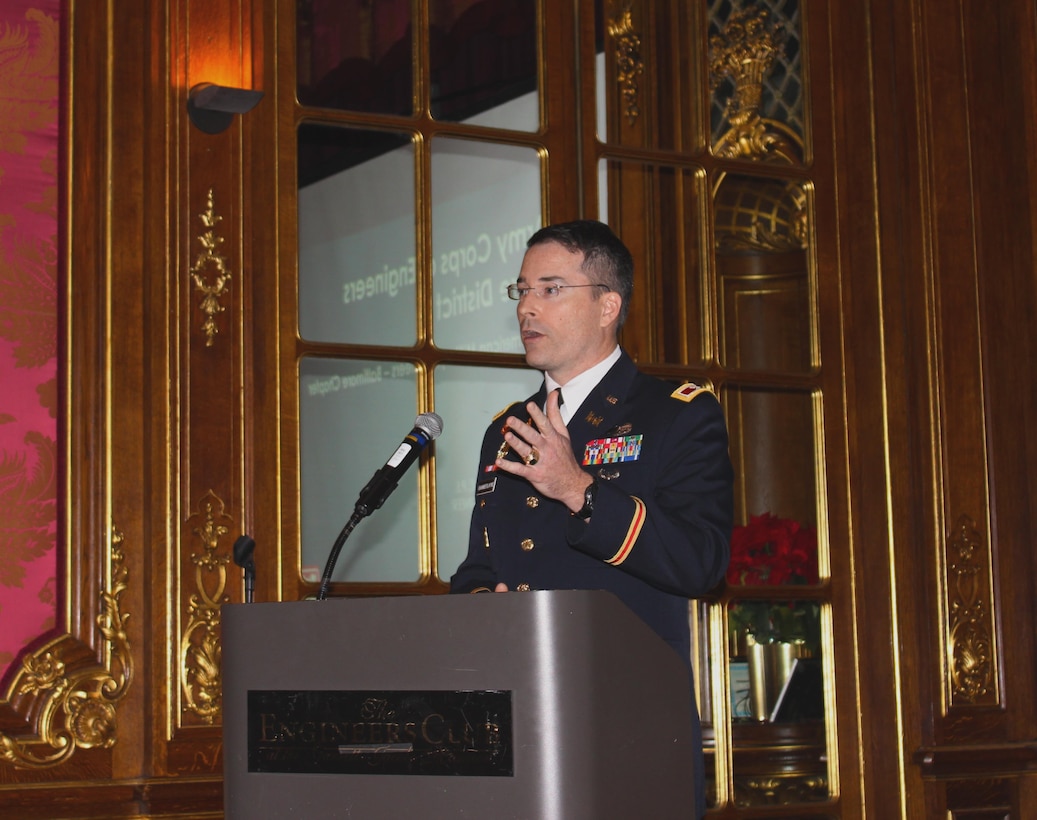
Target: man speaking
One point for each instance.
(607, 478)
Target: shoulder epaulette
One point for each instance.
(502, 412)
(688, 391)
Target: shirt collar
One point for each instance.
(579, 387)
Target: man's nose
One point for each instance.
(526, 306)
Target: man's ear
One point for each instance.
(612, 302)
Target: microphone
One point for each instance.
(243, 549)
(427, 427)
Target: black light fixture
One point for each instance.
(212, 107)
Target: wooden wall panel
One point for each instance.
(155, 412)
(209, 282)
(956, 282)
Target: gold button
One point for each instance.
(522, 588)
(532, 502)
(527, 544)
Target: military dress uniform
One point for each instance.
(660, 529)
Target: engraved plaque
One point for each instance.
(381, 732)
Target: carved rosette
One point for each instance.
(78, 706)
(210, 257)
(200, 648)
(970, 630)
(629, 65)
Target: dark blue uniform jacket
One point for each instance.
(662, 520)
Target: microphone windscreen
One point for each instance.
(431, 424)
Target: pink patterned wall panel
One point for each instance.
(29, 151)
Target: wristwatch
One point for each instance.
(587, 510)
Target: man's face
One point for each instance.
(572, 331)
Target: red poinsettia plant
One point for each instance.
(770, 551)
(773, 551)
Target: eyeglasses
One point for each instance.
(517, 292)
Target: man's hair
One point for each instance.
(603, 253)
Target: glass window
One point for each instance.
(357, 257)
(775, 446)
(467, 398)
(355, 55)
(484, 63)
(671, 293)
(353, 414)
(486, 204)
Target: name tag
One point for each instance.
(486, 486)
(613, 450)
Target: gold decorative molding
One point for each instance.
(200, 648)
(970, 630)
(78, 708)
(629, 65)
(210, 304)
(744, 52)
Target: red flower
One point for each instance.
(772, 551)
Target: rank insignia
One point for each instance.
(686, 392)
(612, 450)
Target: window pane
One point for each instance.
(486, 204)
(484, 63)
(467, 398)
(356, 236)
(353, 414)
(656, 210)
(762, 259)
(774, 435)
(355, 55)
(645, 60)
(777, 698)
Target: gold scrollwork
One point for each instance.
(744, 52)
(780, 790)
(629, 65)
(210, 255)
(85, 698)
(971, 632)
(200, 648)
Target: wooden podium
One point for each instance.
(543, 705)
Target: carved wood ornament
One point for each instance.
(78, 708)
(200, 649)
(210, 304)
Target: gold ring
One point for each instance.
(532, 457)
